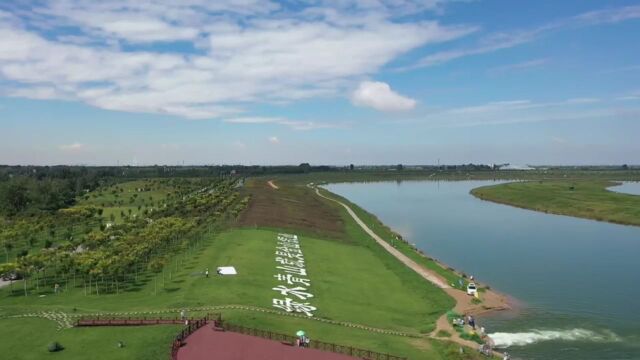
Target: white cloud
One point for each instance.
(72, 147)
(232, 53)
(378, 95)
(498, 41)
(582, 100)
(293, 124)
(527, 111)
(274, 140)
(518, 66)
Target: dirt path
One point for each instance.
(274, 186)
(491, 301)
(430, 276)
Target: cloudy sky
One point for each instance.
(320, 81)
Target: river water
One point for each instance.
(627, 187)
(577, 280)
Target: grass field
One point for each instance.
(353, 279)
(128, 198)
(341, 282)
(27, 339)
(585, 199)
(292, 207)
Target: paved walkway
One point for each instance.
(207, 344)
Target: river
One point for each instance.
(627, 187)
(576, 279)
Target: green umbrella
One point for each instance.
(300, 333)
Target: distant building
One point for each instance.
(516, 167)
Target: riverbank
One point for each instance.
(584, 199)
(491, 301)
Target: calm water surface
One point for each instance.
(578, 280)
(627, 187)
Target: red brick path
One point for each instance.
(208, 344)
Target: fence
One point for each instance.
(320, 345)
(188, 330)
(128, 321)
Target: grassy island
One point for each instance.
(580, 198)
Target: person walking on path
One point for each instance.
(472, 322)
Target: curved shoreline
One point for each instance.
(492, 300)
(479, 194)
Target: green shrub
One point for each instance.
(443, 333)
(55, 347)
(473, 337)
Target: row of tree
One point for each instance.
(108, 258)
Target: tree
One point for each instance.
(15, 197)
(156, 265)
(7, 243)
(351, 167)
(399, 167)
(306, 167)
(625, 167)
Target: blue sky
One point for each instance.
(326, 82)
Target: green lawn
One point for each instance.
(345, 280)
(26, 339)
(585, 199)
(392, 238)
(353, 279)
(350, 282)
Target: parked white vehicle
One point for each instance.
(472, 289)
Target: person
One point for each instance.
(506, 356)
(206, 272)
(472, 322)
(482, 333)
(306, 341)
(56, 287)
(183, 314)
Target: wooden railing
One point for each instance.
(129, 320)
(190, 329)
(314, 344)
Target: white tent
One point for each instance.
(227, 270)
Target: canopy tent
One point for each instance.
(227, 270)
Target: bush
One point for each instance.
(55, 347)
(443, 333)
(473, 337)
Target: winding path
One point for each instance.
(273, 185)
(428, 275)
(492, 301)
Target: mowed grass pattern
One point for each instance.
(585, 199)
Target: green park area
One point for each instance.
(588, 199)
(141, 248)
